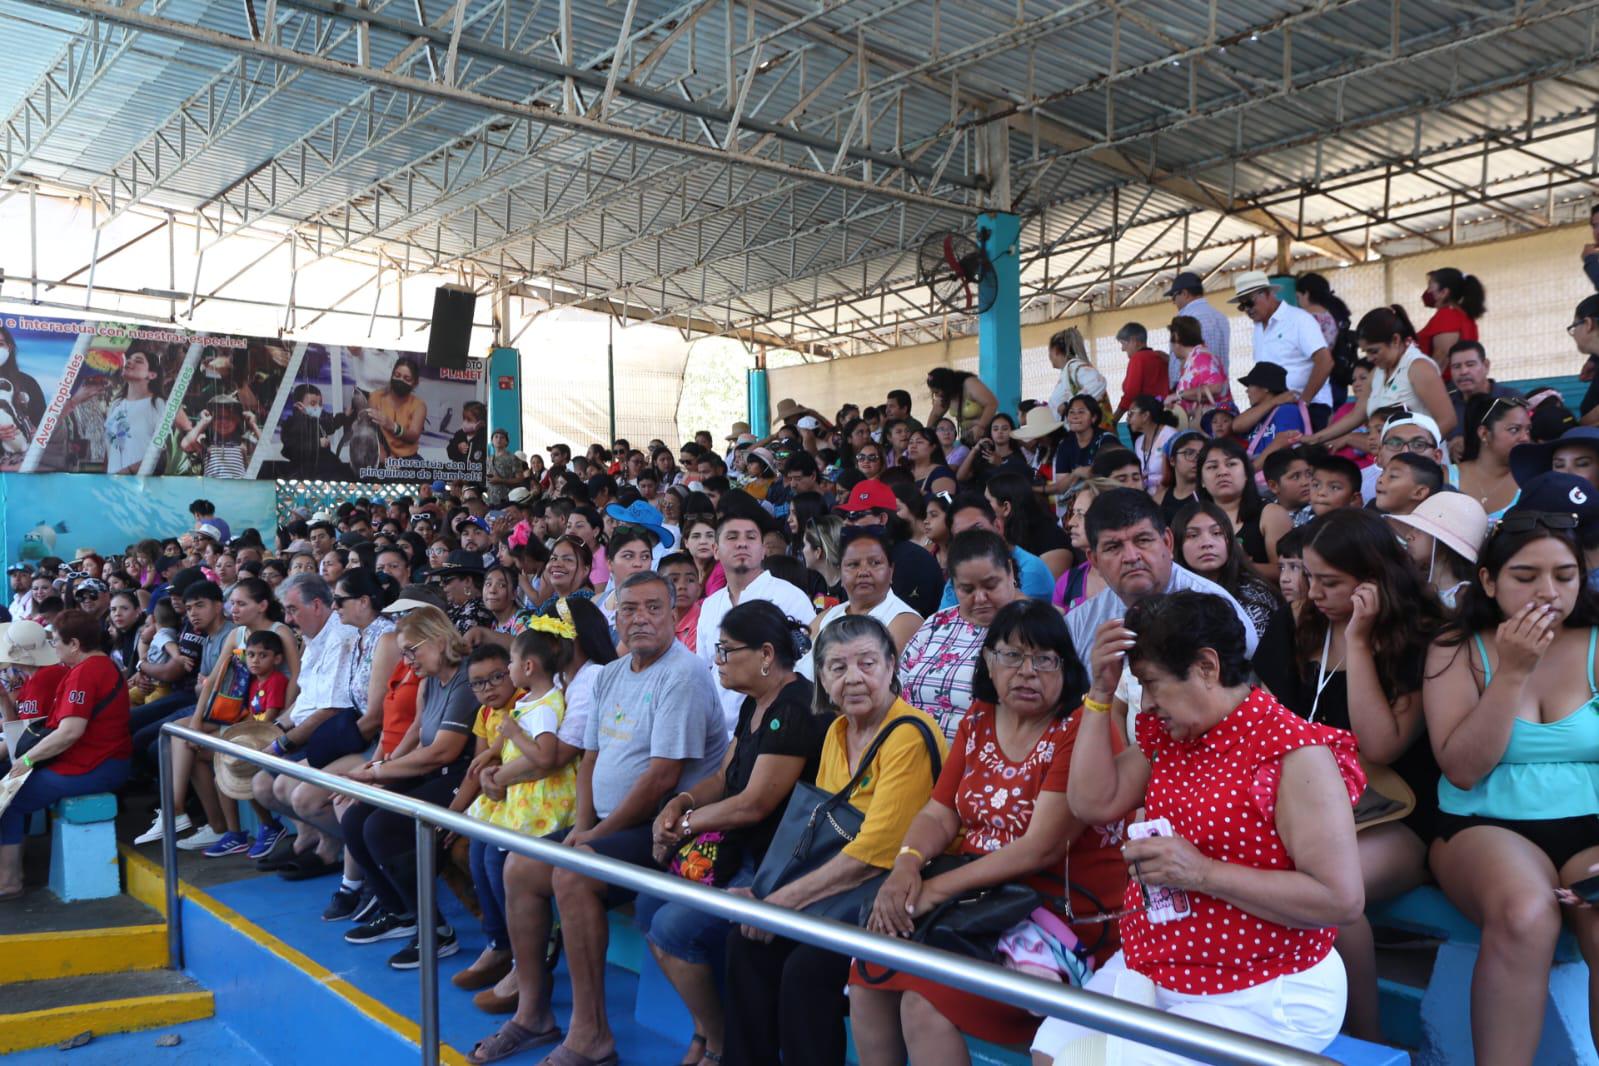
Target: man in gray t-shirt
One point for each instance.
(655, 729)
(659, 712)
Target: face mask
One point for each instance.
(314, 412)
(400, 387)
(1429, 299)
(471, 427)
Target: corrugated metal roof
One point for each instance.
(1129, 125)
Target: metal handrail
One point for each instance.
(1198, 1040)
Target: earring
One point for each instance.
(765, 670)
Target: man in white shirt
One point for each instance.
(320, 726)
(1131, 547)
(1291, 338)
(1187, 294)
(739, 550)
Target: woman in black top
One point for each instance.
(1227, 478)
(1027, 525)
(1079, 444)
(122, 622)
(995, 452)
(732, 816)
(1179, 483)
(1206, 545)
(1361, 642)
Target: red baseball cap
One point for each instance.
(870, 495)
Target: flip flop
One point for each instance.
(565, 1056)
(698, 1038)
(510, 1039)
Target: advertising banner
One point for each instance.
(102, 397)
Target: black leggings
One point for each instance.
(384, 843)
(785, 1003)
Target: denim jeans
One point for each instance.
(45, 786)
(488, 877)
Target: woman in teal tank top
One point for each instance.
(1512, 707)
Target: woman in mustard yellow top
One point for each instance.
(785, 1000)
(398, 412)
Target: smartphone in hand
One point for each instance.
(1161, 904)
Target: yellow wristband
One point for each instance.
(908, 850)
(1095, 707)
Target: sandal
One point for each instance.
(565, 1056)
(510, 1039)
(698, 1038)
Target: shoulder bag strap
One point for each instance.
(106, 702)
(843, 794)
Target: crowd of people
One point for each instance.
(1184, 695)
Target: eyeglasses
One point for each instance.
(1527, 521)
(409, 653)
(868, 457)
(1188, 453)
(340, 601)
(1409, 444)
(85, 595)
(483, 684)
(724, 650)
(1043, 662)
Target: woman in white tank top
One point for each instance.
(868, 578)
(1404, 376)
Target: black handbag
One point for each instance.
(969, 925)
(815, 827)
(37, 730)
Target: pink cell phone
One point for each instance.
(1161, 904)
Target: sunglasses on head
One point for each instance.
(1527, 521)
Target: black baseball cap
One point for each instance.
(1268, 376)
(1187, 281)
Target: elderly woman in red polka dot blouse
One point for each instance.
(1243, 863)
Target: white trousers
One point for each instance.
(1304, 1010)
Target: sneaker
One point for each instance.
(278, 855)
(265, 837)
(153, 834)
(385, 926)
(409, 958)
(368, 908)
(232, 843)
(344, 904)
(203, 838)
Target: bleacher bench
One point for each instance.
(83, 847)
(658, 1007)
(1445, 1037)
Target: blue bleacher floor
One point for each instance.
(292, 911)
(205, 1043)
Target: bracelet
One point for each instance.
(1093, 706)
(921, 859)
(27, 761)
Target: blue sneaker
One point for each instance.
(265, 837)
(230, 844)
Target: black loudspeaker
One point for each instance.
(451, 334)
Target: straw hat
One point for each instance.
(1250, 282)
(787, 409)
(234, 774)
(1040, 422)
